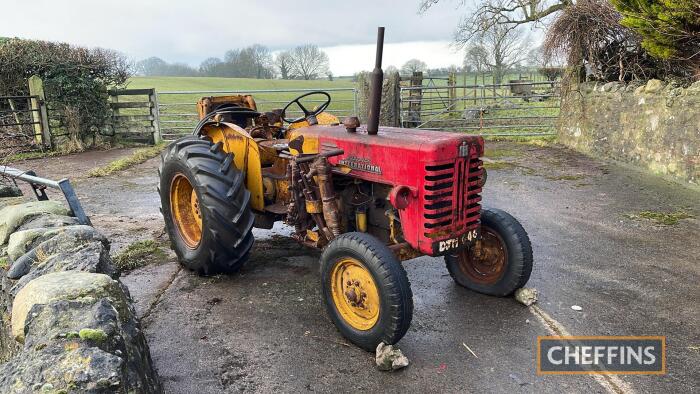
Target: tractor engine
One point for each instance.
(407, 187)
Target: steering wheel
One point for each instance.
(307, 113)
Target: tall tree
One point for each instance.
(476, 57)
(283, 61)
(252, 62)
(508, 48)
(669, 29)
(412, 66)
(390, 70)
(511, 13)
(155, 66)
(213, 67)
(261, 59)
(309, 62)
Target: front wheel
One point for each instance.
(366, 290)
(497, 264)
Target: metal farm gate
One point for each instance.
(177, 110)
(23, 124)
(517, 108)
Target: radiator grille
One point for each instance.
(452, 196)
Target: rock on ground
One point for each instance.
(526, 296)
(390, 358)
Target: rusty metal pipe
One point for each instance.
(375, 88)
(328, 199)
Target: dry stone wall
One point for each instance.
(68, 324)
(655, 126)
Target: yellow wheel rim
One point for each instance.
(184, 207)
(355, 294)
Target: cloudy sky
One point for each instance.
(192, 30)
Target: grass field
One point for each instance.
(178, 111)
(210, 83)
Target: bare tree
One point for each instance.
(507, 47)
(262, 61)
(390, 70)
(309, 62)
(412, 66)
(476, 58)
(283, 61)
(512, 13)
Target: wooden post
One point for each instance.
(42, 133)
(416, 96)
(15, 114)
(155, 113)
(464, 89)
(451, 91)
(114, 98)
(396, 84)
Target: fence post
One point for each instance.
(155, 113)
(452, 91)
(42, 133)
(396, 84)
(415, 96)
(354, 101)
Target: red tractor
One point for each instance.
(370, 197)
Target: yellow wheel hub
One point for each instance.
(184, 207)
(355, 294)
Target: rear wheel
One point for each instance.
(366, 290)
(497, 264)
(206, 206)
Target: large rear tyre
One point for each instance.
(366, 290)
(206, 206)
(500, 262)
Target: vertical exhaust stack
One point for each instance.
(375, 88)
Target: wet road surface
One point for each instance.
(265, 329)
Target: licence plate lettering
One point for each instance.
(456, 243)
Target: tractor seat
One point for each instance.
(269, 150)
(276, 145)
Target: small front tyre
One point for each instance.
(366, 290)
(497, 264)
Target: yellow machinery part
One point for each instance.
(314, 206)
(184, 208)
(324, 118)
(310, 143)
(355, 294)
(246, 157)
(361, 221)
(207, 104)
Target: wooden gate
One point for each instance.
(134, 115)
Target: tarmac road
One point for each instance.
(266, 330)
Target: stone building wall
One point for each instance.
(655, 126)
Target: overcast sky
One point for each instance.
(190, 31)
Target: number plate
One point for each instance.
(453, 244)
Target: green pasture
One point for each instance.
(178, 111)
